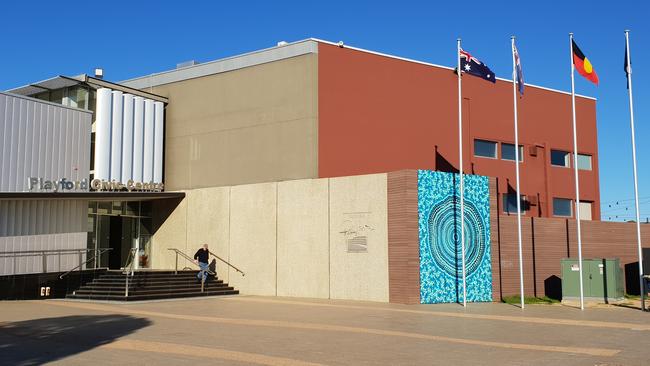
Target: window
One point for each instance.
(508, 152)
(562, 207)
(510, 203)
(486, 149)
(584, 162)
(560, 158)
(585, 210)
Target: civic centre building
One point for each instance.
(321, 170)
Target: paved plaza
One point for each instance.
(246, 330)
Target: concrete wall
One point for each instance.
(250, 125)
(359, 204)
(208, 222)
(290, 238)
(253, 238)
(303, 238)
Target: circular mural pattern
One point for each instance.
(444, 237)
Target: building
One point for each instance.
(303, 163)
(313, 109)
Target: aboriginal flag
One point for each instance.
(583, 65)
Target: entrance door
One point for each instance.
(115, 240)
(122, 236)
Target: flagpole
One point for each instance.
(636, 189)
(460, 169)
(514, 99)
(575, 168)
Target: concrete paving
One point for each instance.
(248, 330)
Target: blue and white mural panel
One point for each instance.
(441, 278)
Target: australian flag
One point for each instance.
(471, 65)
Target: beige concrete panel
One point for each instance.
(208, 221)
(303, 244)
(277, 91)
(358, 215)
(172, 233)
(248, 155)
(253, 238)
(252, 125)
(177, 157)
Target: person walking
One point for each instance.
(201, 258)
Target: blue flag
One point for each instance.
(471, 65)
(519, 71)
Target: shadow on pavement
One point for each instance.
(38, 341)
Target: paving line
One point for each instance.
(519, 319)
(204, 352)
(346, 329)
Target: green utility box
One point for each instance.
(602, 279)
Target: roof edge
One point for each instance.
(214, 62)
(440, 66)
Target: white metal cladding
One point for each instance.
(103, 134)
(138, 137)
(128, 137)
(116, 135)
(41, 139)
(147, 164)
(159, 113)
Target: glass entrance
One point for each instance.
(120, 226)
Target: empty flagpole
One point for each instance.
(514, 98)
(636, 189)
(460, 169)
(575, 167)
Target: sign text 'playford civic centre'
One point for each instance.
(64, 184)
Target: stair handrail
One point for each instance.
(128, 269)
(178, 252)
(226, 262)
(98, 253)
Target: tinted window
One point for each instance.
(562, 207)
(510, 203)
(559, 158)
(487, 149)
(508, 152)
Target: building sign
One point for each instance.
(64, 184)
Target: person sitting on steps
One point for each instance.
(201, 258)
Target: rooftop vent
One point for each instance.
(186, 64)
(282, 43)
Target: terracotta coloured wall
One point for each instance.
(379, 114)
(545, 241)
(403, 249)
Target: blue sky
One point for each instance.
(132, 38)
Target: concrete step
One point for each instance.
(145, 291)
(155, 296)
(141, 282)
(152, 285)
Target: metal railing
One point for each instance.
(187, 257)
(98, 253)
(48, 253)
(128, 269)
(226, 262)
